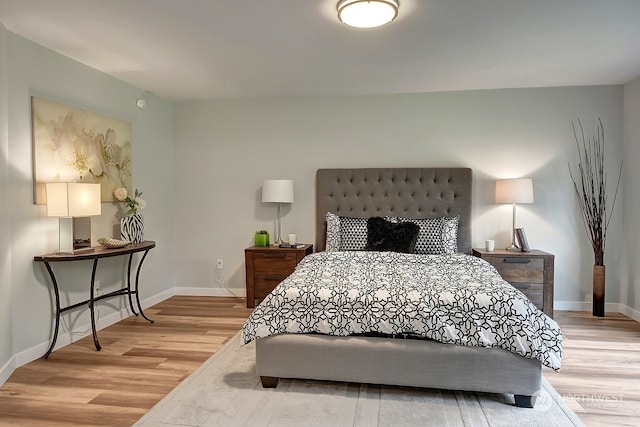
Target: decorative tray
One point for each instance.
(112, 243)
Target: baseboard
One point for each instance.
(629, 312)
(610, 307)
(211, 292)
(7, 370)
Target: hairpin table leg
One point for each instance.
(91, 304)
(57, 324)
(136, 290)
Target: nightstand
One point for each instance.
(530, 272)
(266, 266)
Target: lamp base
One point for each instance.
(513, 248)
(277, 242)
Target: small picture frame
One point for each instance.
(521, 237)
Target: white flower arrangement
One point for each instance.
(135, 204)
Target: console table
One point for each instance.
(99, 252)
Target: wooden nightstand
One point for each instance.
(266, 266)
(530, 272)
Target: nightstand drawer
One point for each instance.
(519, 269)
(266, 283)
(530, 272)
(274, 262)
(533, 291)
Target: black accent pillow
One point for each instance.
(383, 235)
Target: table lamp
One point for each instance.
(277, 191)
(73, 203)
(518, 190)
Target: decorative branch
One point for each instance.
(590, 185)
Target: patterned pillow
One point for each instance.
(345, 233)
(353, 233)
(333, 232)
(450, 235)
(438, 236)
(385, 235)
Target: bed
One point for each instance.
(389, 353)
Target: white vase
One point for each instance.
(132, 228)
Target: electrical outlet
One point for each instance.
(219, 264)
(97, 286)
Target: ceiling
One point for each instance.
(204, 49)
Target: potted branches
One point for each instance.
(590, 185)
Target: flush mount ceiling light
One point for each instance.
(367, 13)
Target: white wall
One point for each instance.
(6, 343)
(225, 149)
(630, 294)
(34, 70)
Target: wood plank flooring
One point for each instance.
(140, 363)
(600, 375)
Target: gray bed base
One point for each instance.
(412, 193)
(403, 362)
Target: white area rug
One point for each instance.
(225, 391)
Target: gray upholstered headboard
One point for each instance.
(405, 192)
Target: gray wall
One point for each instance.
(6, 343)
(630, 283)
(225, 149)
(26, 303)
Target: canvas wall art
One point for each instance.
(73, 145)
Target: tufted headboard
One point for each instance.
(405, 192)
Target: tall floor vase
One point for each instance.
(132, 228)
(598, 290)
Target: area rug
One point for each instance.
(225, 391)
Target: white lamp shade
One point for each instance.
(277, 191)
(72, 199)
(367, 14)
(519, 190)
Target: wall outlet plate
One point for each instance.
(219, 264)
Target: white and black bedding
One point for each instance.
(457, 299)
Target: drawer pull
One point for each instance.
(272, 277)
(274, 255)
(521, 286)
(517, 260)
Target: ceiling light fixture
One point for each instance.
(367, 13)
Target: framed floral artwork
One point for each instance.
(73, 145)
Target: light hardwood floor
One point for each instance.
(140, 363)
(600, 375)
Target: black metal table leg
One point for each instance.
(129, 285)
(137, 291)
(57, 325)
(91, 304)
